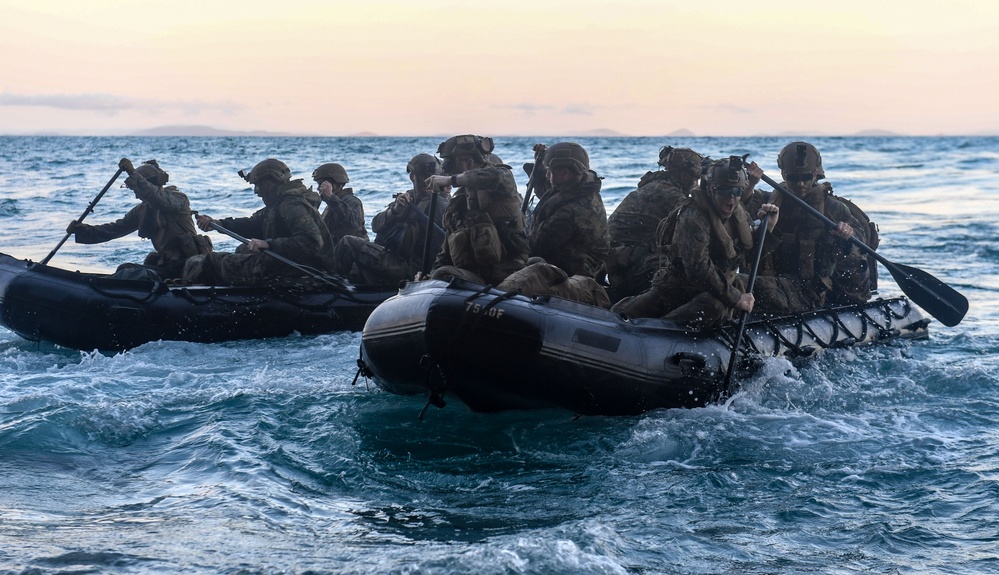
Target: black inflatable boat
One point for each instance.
(497, 351)
(91, 311)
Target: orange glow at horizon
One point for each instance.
(398, 68)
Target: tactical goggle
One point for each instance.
(805, 177)
(728, 192)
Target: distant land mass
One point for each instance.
(209, 131)
(206, 131)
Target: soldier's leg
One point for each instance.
(778, 296)
(616, 265)
(703, 312)
(662, 297)
(447, 272)
(378, 265)
(240, 269)
(634, 275)
(194, 270)
(345, 254)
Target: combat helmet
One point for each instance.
(680, 160)
(477, 146)
(268, 169)
(333, 172)
(726, 174)
(800, 157)
(569, 155)
(424, 165)
(151, 171)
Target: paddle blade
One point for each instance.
(935, 297)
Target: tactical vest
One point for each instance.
(665, 230)
(484, 230)
(873, 238)
(808, 252)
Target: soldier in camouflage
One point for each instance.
(485, 236)
(634, 254)
(812, 266)
(289, 223)
(707, 239)
(568, 231)
(400, 232)
(344, 213)
(164, 216)
(569, 225)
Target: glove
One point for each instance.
(126, 166)
(131, 179)
(72, 227)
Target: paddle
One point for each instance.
(86, 212)
(319, 275)
(937, 298)
(749, 289)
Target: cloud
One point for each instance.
(531, 109)
(111, 104)
(727, 108)
(577, 110)
(528, 109)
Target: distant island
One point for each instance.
(195, 130)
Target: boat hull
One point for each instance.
(498, 351)
(89, 311)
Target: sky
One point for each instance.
(510, 67)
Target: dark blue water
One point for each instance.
(261, 457)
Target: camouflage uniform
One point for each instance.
(397, 252)
(164, 216)
(634, 254)
(800, 275)
(344, 216)
(292, 227)
(485, 240)
(569, 228)
(701, 287)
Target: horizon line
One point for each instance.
(265, 134)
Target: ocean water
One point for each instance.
(263, 457)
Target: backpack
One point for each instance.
(873, 238)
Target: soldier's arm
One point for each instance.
(305, 238)
(250, 227)
(391, 215)
(351, 211)
(554, 233)
(494, 180)
(87, 234)
(838, 212)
